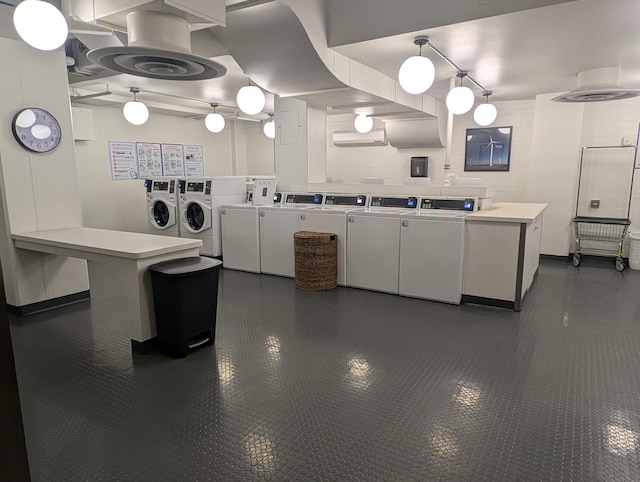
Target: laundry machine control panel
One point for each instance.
(304, 199)
(357, 200)
(410, 202)
(452, 204)
(166, 186)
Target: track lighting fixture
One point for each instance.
(134, 111)
(417, 73)
(460, 99)
(40, 24)
(269, 128)
(214, 122)
(486, 113)
(363, 123)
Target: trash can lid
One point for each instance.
(635, 236)
(185, 265)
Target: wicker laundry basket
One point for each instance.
(316, 257)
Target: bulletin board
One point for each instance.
(142, 160)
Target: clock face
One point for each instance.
(36, 130)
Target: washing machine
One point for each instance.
(162, 206)
(200, 201)
(373, 243)
(331, 217)
(240, 226)
(432, 249)
(278, 223)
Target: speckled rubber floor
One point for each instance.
(344, 385)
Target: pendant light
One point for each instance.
(486, 113)
(269, 128)
(250, 99)
(214, 122)
(134, 111)
(363, 123)
(460, 99)
(40, 24)
(417, 73)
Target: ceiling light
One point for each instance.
(417, 73)
(486, 113)
(40, 24)
(250, 99)
(214, 122)
(363, 123)
(460, 99)
(269, 128)
(135, 112)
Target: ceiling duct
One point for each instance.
(159, 47)
(598, 85)
(416, 133)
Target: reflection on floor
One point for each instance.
(344, 385)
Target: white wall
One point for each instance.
(121, 205)
(392, 164)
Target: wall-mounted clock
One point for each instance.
(36, 130)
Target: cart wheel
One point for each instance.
(619, 265)
(576, 259)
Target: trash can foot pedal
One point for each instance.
(199, 342)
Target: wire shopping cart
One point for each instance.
(604, 232)
(603, 203)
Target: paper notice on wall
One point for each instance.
(193, 161)
(124, 164)
(172, 160)
(149, 159)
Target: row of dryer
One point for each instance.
(190, 208)
(410, 246)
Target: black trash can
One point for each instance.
(185, 298)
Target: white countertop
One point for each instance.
(509, 212)
(121, 244)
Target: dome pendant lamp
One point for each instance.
(135, 112)
(214, 122)
(460, 99)
(40, 24)
(250, 99)
(486, 113)
(417, 73)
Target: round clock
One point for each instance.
(36, 129)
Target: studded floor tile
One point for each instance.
(343, 385)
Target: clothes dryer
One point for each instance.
(432, 249)
(331, 217)
(200, 201)
(162, 206)
(373, 243)
(278, 223)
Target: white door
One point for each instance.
(240, 239)
(277, 228)
(431, 255)
(373, 249)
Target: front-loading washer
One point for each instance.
(373, 243)
(278, 224)
(162, 206)
(432, 249)
(200, 201)
(331, 217)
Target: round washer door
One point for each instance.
(162, 214)
(197, 217)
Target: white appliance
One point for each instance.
(200, 201)
(162, 206)
(373, 243)
(331, 217)
(240, 225)
(432, 249)
(278, 223)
